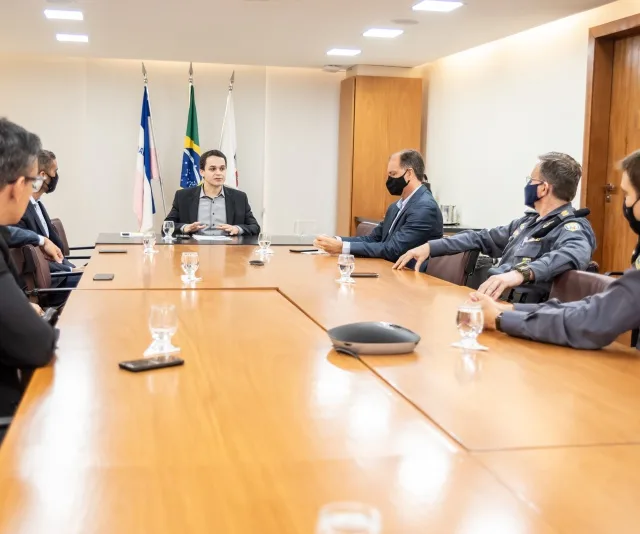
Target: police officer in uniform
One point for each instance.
(593, 322)
(533, 249)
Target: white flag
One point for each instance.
(228, 142)
(146, 169)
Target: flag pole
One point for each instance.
(146, 84)
(226, 109)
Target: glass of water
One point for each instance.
(163, 324)
(349, 518)
(346, 264)
(470, 322)
(149, 242)
(168, 227)
(264, 242)
(190, 263)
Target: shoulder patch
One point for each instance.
(565, 214)
(572, 226)
(638, 263)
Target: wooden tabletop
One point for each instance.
(262, 426)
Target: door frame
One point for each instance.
(595, 155)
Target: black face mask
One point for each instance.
(396, 186)
(631, 218)
(53, 183)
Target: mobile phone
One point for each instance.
(103, 277)
(112, 251)
(364, 275)
(125, 234)
(256, 262)
(148, 364)
(303, 250)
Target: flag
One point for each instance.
(191, 157)
(228, 142)
(146, 168)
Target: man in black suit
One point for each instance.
(27, 341)
(36, 219)
(212, 206)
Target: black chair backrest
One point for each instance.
(456, 268)
(57, 224)
(365, 228)
(576, 285)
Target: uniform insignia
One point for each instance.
(572, 226)
(532, 239)
(565, 213)
(522, 226)
(638, 263)
(545, 225)
(516, 233)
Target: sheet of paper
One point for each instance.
(315, 252)
(212, 238)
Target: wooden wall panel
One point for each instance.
(388, 116)
(345, 155)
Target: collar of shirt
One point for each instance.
(402, 203)
(33, 201)
(555, 212)
(203, 194)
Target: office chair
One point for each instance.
(66, 250)
(456, 268)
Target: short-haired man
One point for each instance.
(533, 249)
(36, 219)
(593, 322)
(212, 205)
(27, 341)
(412, 220)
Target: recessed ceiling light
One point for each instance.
(442, 6)
(63, 14)
(72, 38)
(383, 33)
(343, 52)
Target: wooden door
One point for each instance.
(624, 138)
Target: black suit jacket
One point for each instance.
(185, 209)
(27, 340)
(31, 221)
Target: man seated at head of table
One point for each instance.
(534, 249)
(26, 340)
(412, 220)
(212, 206)
(595, 321)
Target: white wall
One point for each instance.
(493, 109)
(88, 113)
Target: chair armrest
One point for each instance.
(5, 421)
(78, 257)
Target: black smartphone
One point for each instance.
(256, 262)
(112, 251)
(103, 277)
(364, 275)
(303, 250)
(148, 364)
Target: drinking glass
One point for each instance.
(149, 242)
(190, 264)
(348, 518)
(168, 227)
(264, 242)
(346, 264)
(470, 322)
(163, 323)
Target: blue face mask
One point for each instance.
(531, 195)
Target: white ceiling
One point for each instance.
(270, 32)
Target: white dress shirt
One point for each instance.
(43, 221)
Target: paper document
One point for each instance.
(212, 238)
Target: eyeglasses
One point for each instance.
(529, 180)
(34, 179)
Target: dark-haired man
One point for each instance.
(593, 322)
(533, 249)
(212, 206)
(27, 340)
(414, 219)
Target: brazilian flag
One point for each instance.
(191, 156)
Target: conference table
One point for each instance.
(265, 423)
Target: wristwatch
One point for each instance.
(499, 322)
(525, 271)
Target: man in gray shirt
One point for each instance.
(534, 249)
(212, 206)
(595, 321)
